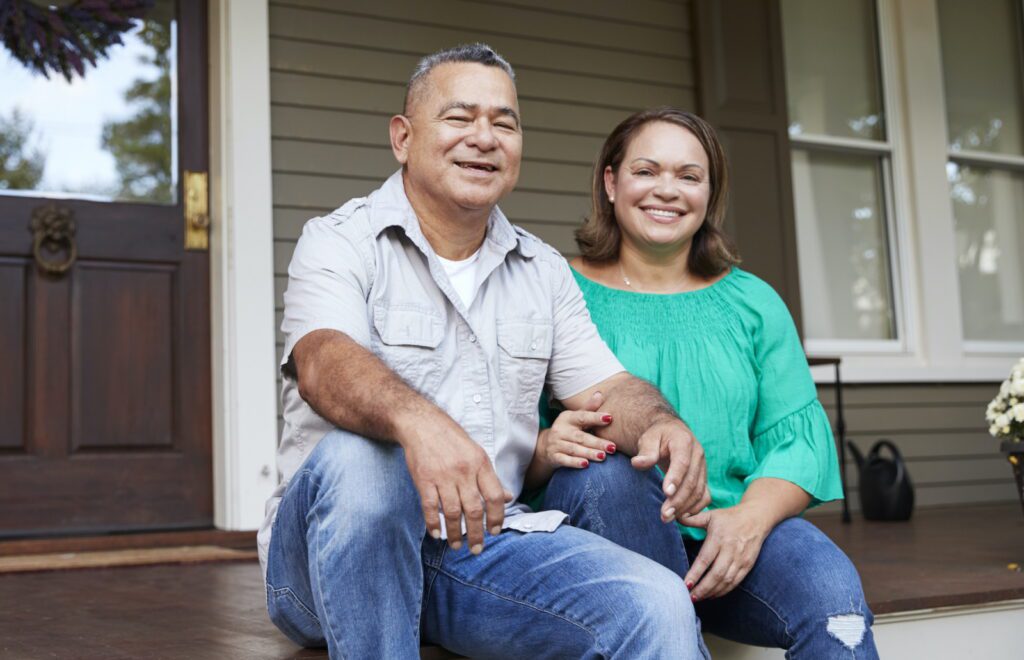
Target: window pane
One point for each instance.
(833, 84)
(982, 73)
(108, 135)
(845, 278)
(988, 206)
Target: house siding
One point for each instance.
(338, 73)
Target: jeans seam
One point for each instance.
(285, 591)
(319, 584)
(559, 615)
(785, 624)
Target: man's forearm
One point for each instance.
(353, 389)
(634, 405)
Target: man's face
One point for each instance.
(462, 143)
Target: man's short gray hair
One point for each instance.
(479, 53)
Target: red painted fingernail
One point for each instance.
(600, 455)
(693, 598)
(584, 463)
(689, 585)
(611, 449)
(607, 419)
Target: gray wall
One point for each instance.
(941, 432)
(337, 74)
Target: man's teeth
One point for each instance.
(663, 214)
(472, 166)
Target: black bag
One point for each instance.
(885, 489)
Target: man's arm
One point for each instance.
(351, 388)
(646, 427)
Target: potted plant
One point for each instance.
(1005, 416)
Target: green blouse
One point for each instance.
(728, 358)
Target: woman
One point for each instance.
(661, 283)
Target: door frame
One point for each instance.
(241, 264)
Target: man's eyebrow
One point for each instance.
(473, 107)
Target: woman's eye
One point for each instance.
(643, 173)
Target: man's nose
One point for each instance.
(483, 137)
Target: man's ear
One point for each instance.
(400, 130)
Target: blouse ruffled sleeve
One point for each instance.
(792, 435)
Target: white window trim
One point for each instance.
(241, 264)
(931, 347)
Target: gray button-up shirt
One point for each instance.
(367, 270)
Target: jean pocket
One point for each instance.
(523, 357)
(293, 618)
(409, 338)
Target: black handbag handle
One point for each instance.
(897, 457)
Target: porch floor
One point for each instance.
(943, 557)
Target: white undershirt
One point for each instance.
(464, 276)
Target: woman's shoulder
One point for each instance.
(757, 298)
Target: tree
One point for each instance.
(21, 166)
(141, 145)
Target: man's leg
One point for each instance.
(622, 504)
(344, 564)
(803, 594)
(564, 594)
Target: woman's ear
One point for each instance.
(609, 183)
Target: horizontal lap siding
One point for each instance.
(338, 73)
(939, 428)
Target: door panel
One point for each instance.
(105, 420)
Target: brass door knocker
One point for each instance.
(53, 231)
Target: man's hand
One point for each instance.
(454, 475)
(735, 537)
(670, 445)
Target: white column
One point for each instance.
(241, 264)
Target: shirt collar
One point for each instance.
(391, 208)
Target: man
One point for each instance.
(420, 327)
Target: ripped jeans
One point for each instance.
(803, 593)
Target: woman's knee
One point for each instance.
(602, 482)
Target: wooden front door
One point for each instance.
(105, 414)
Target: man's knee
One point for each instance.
(366, 481)
(658, 616)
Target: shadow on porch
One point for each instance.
(947, 562)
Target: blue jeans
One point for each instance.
(803, 593)
(350, 567)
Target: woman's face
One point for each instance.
(661, 190)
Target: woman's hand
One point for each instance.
(735, 535)
(567, 443)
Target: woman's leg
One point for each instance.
(803, 594)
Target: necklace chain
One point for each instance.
(629, 283)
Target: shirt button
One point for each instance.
(476, 398)
(527, 525)
(533, 346)
(472, 339)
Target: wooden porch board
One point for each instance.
(57, 561)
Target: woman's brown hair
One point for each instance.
(711, 251)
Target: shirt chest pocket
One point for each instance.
(408, 341)
(524, 350)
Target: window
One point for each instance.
(981, 67)
(841, 161)
(907, 149)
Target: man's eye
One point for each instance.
(506, 126)
(458, 119)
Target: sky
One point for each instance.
(69, 117)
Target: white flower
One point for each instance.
(1003, 421)
(993, 431)
(1018, 412)
(1017, 387)
(1004, 388)
(1005, 430)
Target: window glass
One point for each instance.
(988, 205)
(109, 134)
(842, 242)
(981, 67)
(832, 75)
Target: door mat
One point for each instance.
(60, 561)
